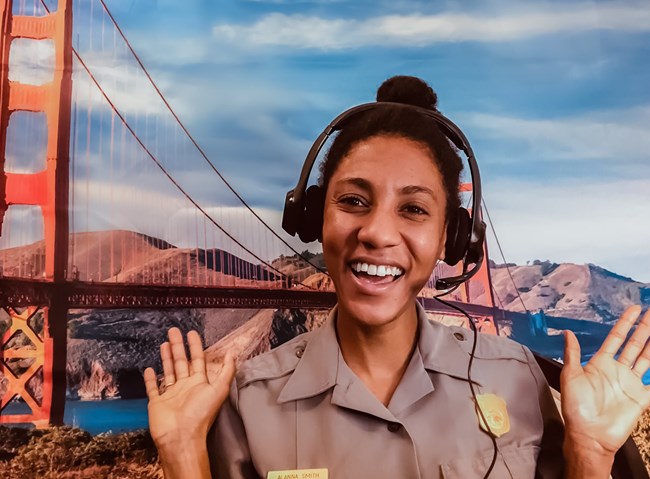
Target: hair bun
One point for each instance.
(408, 90)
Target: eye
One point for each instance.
(351, 200)
(415, 210)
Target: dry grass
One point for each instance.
(641, 435)
(70, 453)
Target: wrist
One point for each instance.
(179, 443)
(586, 458)
(185, 458)
(180, 436)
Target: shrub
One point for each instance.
(70, 453)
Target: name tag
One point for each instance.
(298, 474)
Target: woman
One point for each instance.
(379, 391)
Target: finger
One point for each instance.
(197, 355)
(572, 365)
(617, 335)
(643, 361)
(151, 383)
(167, 363)
(637, 342)
(181, 368)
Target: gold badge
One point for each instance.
(495, 413)
(298, 474)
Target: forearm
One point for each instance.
(186, 459)
(585, 463)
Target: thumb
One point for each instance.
(572, 366)
(228, 369)
(221, 381)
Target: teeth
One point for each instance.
(377, 270)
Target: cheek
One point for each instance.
(427, 246)
(334, 234)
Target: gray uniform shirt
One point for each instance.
(301, 407)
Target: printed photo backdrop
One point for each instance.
(189, 121)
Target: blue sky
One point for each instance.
(553, 96)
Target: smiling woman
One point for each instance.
(379, 390)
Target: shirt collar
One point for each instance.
(443, 349)
(316, 371)
(438, 350)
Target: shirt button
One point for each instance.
(394, 426)
(299, 352)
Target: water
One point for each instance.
(120, 415)
(117, 415)
(113, 416)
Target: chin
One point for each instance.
(374, 311)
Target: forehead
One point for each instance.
(394, 159)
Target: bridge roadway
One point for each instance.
(79, 294)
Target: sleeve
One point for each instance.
(550, 462)
(228, 450)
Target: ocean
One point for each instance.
(108, 416)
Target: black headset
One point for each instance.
(303, 207)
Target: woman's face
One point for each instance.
(383, 228)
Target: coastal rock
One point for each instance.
(98, 384)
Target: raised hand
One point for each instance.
(602, 402)
(184, 412)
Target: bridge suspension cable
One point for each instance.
(166, 173)
(494, 232)
(196, 144)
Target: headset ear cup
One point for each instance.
(458, 236)
(310, 227)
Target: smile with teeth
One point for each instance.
(377, 269)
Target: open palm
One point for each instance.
(602, 402)
(191, 400)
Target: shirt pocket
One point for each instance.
(512, 462)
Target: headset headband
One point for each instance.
(295, 198)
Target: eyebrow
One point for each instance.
(360, 182)
(407, 190)
(414, 189)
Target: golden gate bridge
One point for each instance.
(99, 172)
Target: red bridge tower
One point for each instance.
(49, 190)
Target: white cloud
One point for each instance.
(621, 135)
(31, 61)
(581, 222)
(302, 31)
(125, 85)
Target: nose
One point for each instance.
(379, 229)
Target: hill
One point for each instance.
(107, 349)
(127, 256)
(570, 290)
